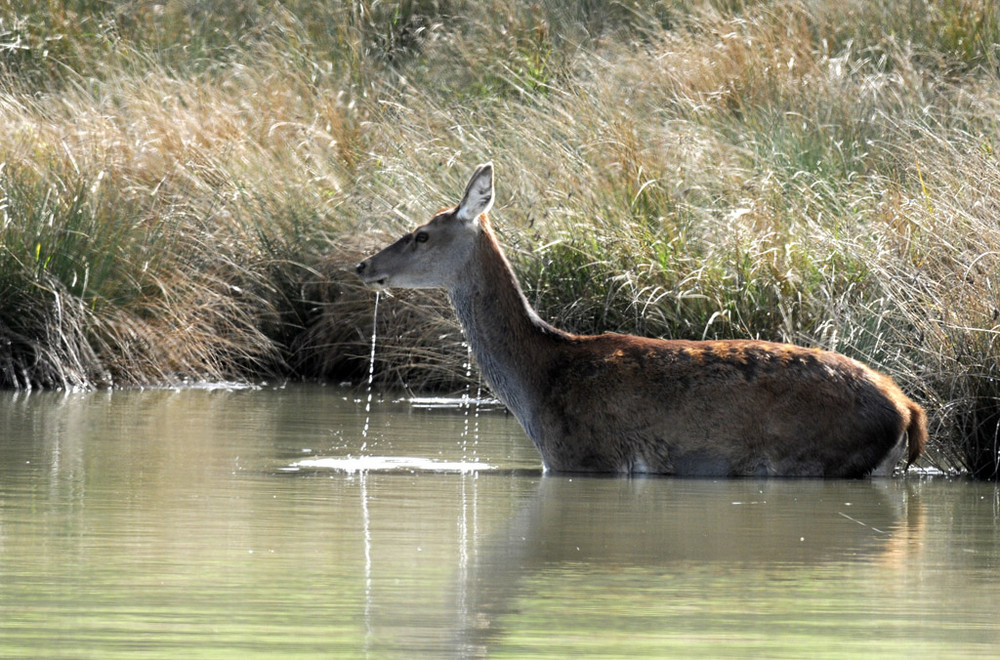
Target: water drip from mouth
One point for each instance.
(470, 409)
(466, 402)
(371, 378)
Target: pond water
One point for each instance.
(240, 523)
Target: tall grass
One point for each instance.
(186, 185)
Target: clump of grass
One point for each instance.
(823, 173)
(95, 292)
(948, 304)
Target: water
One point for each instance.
(219, 523)
(371, 377)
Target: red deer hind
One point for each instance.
(622, 404)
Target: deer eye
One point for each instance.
(421, 237)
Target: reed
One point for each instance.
(185, 188)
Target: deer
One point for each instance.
(628, 405)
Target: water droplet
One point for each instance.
(371, 376)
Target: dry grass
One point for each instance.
(185, 190)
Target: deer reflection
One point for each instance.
(671, 525)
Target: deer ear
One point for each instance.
(478, 194)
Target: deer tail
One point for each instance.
(916, 432)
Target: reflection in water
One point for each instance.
(367, 532)
(603, 527)
(168, 522)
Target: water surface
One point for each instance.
(236, 523)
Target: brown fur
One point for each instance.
(625, 404)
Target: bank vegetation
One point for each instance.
(186, 185)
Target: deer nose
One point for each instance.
(361, 268)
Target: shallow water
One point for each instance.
(236, 523)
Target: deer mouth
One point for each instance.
(364, 272)
(375, 282)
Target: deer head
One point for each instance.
(435, 254)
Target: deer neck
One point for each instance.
(509, 341)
